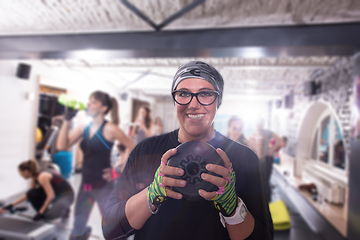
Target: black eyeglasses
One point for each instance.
(204, 97)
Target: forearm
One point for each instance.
(137, 210)
(241, 230)
(46, 204)
(20, 200)
(62, 140)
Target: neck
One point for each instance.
(206, 137)
(98, 120)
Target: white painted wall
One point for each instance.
(17, 132)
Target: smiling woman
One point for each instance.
(235, 210)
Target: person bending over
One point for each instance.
(143, 202)
(50, 194)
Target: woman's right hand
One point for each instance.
(160, 188)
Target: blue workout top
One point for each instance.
(96, 151)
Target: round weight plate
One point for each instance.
(192, 157)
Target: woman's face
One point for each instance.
(25, 174)
(196, 120)
(94, 107)
(236, 127)
(142, 113)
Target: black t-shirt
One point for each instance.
(96, 151)
(183, 219)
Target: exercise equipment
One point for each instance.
(280, 215)
(20, 226)
(193, 157)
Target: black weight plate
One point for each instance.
(192, 157)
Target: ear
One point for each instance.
(104, 109)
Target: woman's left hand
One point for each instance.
(225, 198)
(110, 174)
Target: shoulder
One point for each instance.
(111, 128)
(44, 176)
(156, 145)
(236, 152)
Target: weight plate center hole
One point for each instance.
(193, 168)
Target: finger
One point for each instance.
(224, 157)
(172, 182)
(168, 154)
(172, 194)
(218, 169)
(206, 195)
(171, 171)
(218, 181)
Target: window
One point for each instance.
(328, 146)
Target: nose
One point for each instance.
(194, 103)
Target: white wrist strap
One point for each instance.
(238, 217)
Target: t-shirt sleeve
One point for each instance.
(250, 188)
(131, 182)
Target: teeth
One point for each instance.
(195, 116)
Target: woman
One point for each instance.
(235, 130)
(50, 194)
(96, 143)
(142, 128)
(143, 201)
(158, 127)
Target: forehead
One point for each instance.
(194, 84)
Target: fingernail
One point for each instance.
(178, 196)
(208, 167)
(182, 183)
(181, 172)
(203, 176)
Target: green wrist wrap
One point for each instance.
(156, 191)
(226, 202)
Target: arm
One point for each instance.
(44, 180)
(112, 132)
(66, 140)
(11, 205)
(238, 231)
(127, 206)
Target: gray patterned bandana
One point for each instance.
(201, 70)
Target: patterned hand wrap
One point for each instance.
(226, 199)
(156, 191)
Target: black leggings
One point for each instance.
(57, 208)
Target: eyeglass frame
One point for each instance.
(196, 95)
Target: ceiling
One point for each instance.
(237, 37)
(20, 17)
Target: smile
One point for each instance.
(195, 116)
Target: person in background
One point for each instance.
(96, 141)
(235, 130)
(283, 143)
(50, 194)
(265, 143)
(143, 201)
(157, 127)
(142, 128)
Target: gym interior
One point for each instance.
(290, 62)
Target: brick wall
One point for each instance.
(336, 89)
